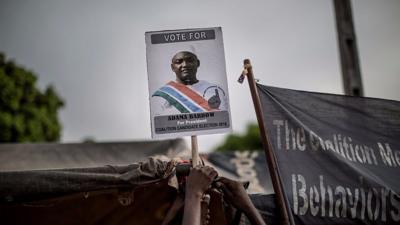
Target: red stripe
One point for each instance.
(191, 94)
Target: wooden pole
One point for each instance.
(195, 151)
(271, 163)
(351, 73)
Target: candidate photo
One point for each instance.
(186, 92)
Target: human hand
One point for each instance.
(199, 180)
(215, 101)
(234, 193)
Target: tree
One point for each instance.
(26, 113)
(249, 141)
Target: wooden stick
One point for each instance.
(195, 152)
(271, 163)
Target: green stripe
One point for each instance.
(171, 101)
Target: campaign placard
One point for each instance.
(188, 90)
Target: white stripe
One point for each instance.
(191, 100)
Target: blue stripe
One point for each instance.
(181, 99)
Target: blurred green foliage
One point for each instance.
(250, 140)
(26, 113)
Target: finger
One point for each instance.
(230, 183)
(226, 181)
(218, 179)
(204, 169)
(208, 168)
(226, 190)
(213, 174)
(222, 179)
(210, 171)
(198, 167)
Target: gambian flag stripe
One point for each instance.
(172, 101)
(191, 94)
(181, 99)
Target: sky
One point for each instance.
(93, 52)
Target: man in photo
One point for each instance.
(188, 94)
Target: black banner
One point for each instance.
(338, 156)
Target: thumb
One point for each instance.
(216, 92)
